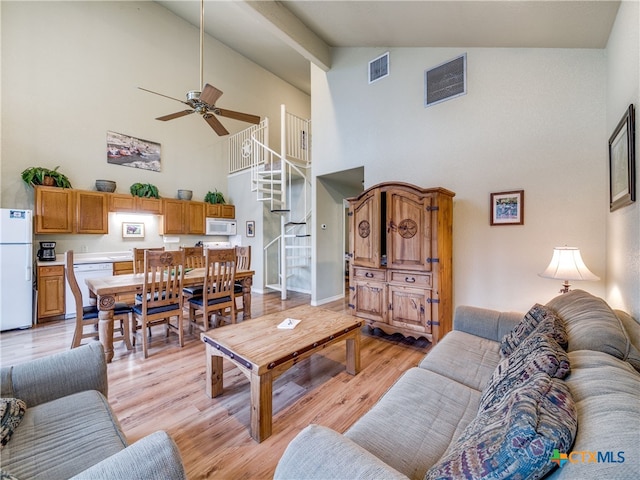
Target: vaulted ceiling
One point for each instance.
(285, 36)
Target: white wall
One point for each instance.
(623, 225)
(70, 72)
(532, 119)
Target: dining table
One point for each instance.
(106, 290)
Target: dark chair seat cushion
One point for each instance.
(91, 311)
(193, 290)
(199, 301)
(152, 311)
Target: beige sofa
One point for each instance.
(69, 430)
(455, 414)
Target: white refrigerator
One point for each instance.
(16, 268)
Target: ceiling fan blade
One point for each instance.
(215, 124)
(210, 95)
(244, 117)
(171, 116)
(163, 95)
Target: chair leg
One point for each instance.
(145, 339)
(126, 333)
(134, 328)
(180, 330)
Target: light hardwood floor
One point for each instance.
(167, 391)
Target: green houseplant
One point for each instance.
(45, 176)
(214, 197)
(144, 190)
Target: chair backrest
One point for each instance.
(193, 257)
(73, 282)
(243, 257)
(163, 280)
(220, 265)
(138, 258)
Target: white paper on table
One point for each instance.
(288, 324)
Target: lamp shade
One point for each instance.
(567, 264)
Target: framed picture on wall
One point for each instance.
(132, 230)
(507, 208)
(251, 228)
(622, 163)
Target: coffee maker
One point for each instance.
(47, 252)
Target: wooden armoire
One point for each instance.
(400, 259)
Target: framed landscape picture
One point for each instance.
(132, 230)
(622, 168)
(507, 208)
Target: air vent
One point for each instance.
(445, 81)
(379, 68)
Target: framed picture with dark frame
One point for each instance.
(251, 228)
(622, 188)
(507, 208)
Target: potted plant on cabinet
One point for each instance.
(144, 190)
(45, 176)
(214, 197)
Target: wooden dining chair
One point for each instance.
(161, 295)
(138, 258)
(217, 294)
(193, 258)
(243, 262)
(88, 316)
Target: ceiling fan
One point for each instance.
(204, 101)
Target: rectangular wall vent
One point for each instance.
(379, 68)
(445, 81)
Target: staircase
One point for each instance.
(281, 181)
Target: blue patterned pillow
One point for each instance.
(537, 353)
(516, 437)
(11, 411)
(532, 319)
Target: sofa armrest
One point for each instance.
(485, 323)
(152, 457)
(320, 453)
(56, 376)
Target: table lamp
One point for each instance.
(566, 264)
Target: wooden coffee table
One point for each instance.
(263, 352)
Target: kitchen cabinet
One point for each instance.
(51, 292)
(400, 259)
(62, 210)
(122, 202)
(183, 217)
(220, 210)
(53, 210)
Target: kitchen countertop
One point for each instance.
(98, 257)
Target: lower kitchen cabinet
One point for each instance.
(51, 292)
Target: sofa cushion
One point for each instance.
(463, 358)
(538, 317)
(414, 422)
(592, 325)
(605, 390)
(537, 353)
(11, 411)
(63, 437)
(516, 437)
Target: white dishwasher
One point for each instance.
(83, 271)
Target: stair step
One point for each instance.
(263, 181)
(294, 223)
(276, 210)
(296, 247)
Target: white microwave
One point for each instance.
(217, 226)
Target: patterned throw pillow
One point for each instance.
(529, 323)
(516, 437)
(12, 410)
(537, 353)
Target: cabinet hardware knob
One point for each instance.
(368, 274)
(410, 279)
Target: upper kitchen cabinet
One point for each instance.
(62, 210)
(220, 210)
(122, 202)
(53, 210)
(183, 217)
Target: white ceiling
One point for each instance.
(284, 36)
